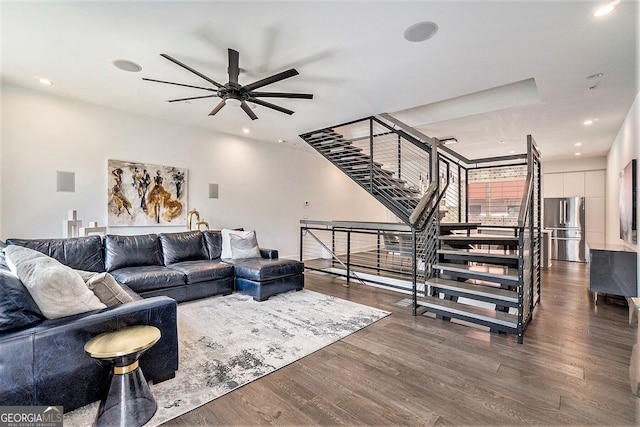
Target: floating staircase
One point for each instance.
(477, 280)
(490, 280)
(397, 194)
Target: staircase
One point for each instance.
(477, 281)
(376, 178)
(489, 280)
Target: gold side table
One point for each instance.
(129, 401)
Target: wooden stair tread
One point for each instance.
(470, 311)
(509, 274)
(477, 290)
(459, 225)
(478, 239)
(478, 253)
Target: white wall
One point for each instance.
(574, 165)
(625, 147)
(262, 186)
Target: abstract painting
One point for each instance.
(144, 195)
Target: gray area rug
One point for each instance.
(226, 342)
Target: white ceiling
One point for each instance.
(352, 56)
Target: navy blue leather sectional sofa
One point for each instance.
(42, 361)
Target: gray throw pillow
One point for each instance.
(58, 290)
(244, 245)
(106, 288)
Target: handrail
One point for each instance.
(418, 212)
(459, 157)
(524, 204)
(532, 152)
(364, 225)
(405, 127)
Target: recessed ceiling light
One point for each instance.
(512, 152)
(578, 154)
(606, 9)
(578, 144)
(421, 31)
(282, 141)
(126, 65)
(45, 82)
(245, 130)
(502, 142)
(587, 122)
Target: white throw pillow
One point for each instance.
(244, 246)
(58, 290)
(226, 241)
(105, 287)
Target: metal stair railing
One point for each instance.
(392, 165)
(343, 247)
(335, 257)
(403, 169)
(530, 238)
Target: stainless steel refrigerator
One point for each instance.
(564, 218)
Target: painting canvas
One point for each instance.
(144, 195)
(628, 208)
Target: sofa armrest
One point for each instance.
(269, 253)
(79, 379)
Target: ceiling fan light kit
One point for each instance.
(233, 93)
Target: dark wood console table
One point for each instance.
(612, 270)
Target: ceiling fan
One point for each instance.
(233, 92)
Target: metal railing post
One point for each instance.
(414, 274)
(379, 249)
(399, 157)
(371, 155)
(348, 257)
(301, 240)
(333, 243)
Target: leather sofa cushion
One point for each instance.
(17, 308)
(261, 269)
(149, 277)
(186, 246)
(79, 253)
(213, 239)
(131, 251)
(203, 271)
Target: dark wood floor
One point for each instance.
(571, 369)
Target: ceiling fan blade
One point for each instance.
(281, 95)
(179, 84)
(193, 97)
(234, 69)
(248, 110)
(186, 67)
(272, 79)
(218, 108)
(270, 105)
